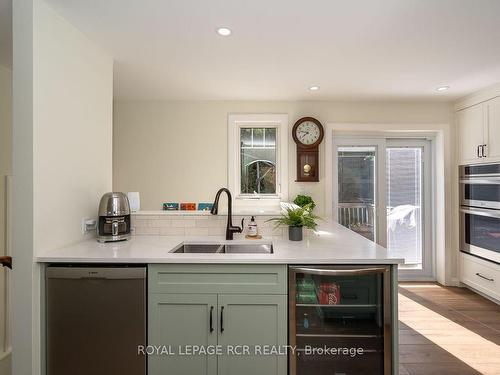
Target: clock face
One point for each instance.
(307, 133)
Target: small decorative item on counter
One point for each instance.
(170, 206)
(329, 294)
(134, 200)
(188, 206)
(253, 230)
(205, 206)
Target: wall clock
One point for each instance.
(307, 134)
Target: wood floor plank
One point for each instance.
(484, 316)
(449, 369)
(403, 370)
(447, 331)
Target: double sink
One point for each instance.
(197, 248)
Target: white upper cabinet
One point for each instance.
(470, 130)
(492, 131)
(479, 132)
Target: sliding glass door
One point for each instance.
(359, 186)
(382, 191)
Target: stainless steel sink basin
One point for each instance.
(199, 248)
(249, 249)
(228, 249)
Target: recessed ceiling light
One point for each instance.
(313, 88)
(442, 88)
(224, 31)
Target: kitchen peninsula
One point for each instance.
(277, 298)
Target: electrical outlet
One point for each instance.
(88, 225)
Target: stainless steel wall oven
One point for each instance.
(480, 210)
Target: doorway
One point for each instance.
(382, 191)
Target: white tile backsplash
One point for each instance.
(172, 231)
(196, 231)
(198, 225)
(157, 223)
(217, 231)
(146, 231)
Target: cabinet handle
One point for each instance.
(222, 319)
(211, 319)
(484, 277)
(483, 152)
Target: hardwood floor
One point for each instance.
(447, 330)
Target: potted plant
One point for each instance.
(304, 200)
(296, 218)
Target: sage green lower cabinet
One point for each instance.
(245, 305)
(259, 322)
(177, 320)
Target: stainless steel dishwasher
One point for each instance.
(96, 318)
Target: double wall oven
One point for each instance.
(480, 210)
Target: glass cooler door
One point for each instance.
(340, 320)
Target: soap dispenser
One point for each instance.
(252, 228)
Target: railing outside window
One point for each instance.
(359, 217)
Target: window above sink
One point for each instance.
(257, 158)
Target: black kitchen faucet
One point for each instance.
(230, 228)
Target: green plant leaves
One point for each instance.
(297, 217)
(304, 200)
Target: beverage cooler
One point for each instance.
(340, 320)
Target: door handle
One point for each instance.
(211, 319)
(221, 319)
(6, 261)
(481, 212)
(484, 277)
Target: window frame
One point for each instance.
(238, 121)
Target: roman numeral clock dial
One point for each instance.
(307, 134)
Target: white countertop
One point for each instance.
(332, 244)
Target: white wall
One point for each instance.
(62, 153)
(73, 136)
(24, 278)
(5, 169)
(5, 122)
(177, 151)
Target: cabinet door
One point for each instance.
(492, 140)
(179, 320)
(255, 321)
(470, 132)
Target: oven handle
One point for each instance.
(481, 181)
(481, 212)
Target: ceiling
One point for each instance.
(6, 33)
(354, 50)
